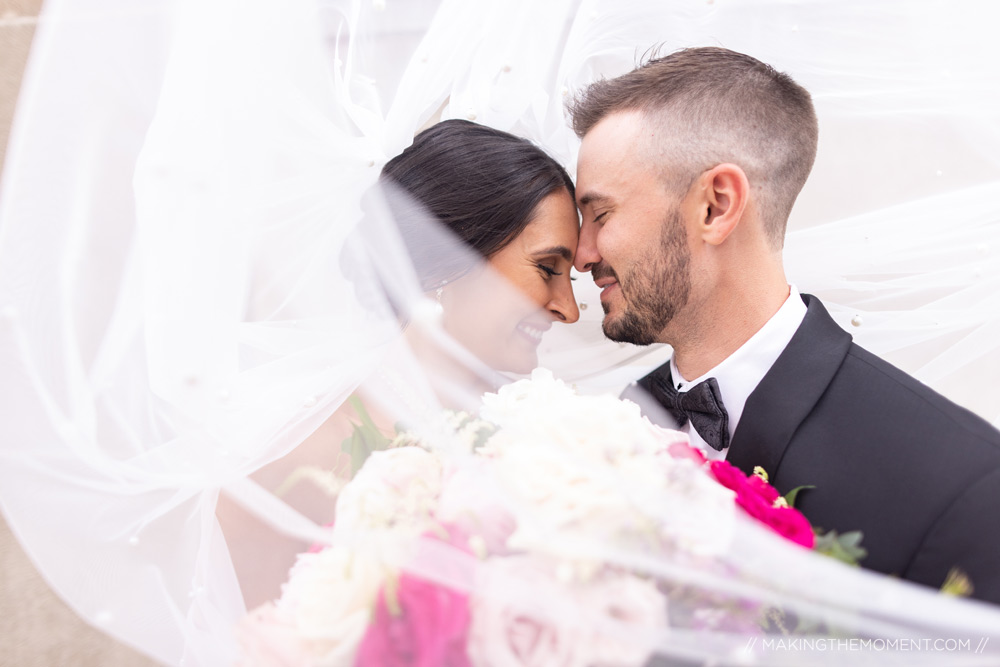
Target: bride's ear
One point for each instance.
(726, 191)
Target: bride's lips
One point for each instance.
(533, 331)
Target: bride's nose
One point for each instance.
(563, 304)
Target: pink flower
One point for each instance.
(428, 629)
(762, 489)
(682, 450)
(522, 631)
(791, 524)
(471, 501)
(758, 499)
(523, 616)
(418, 623)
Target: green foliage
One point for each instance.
(365, 438)
(957, 583)
(793, 495)
(846, 548)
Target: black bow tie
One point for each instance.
(702, 405)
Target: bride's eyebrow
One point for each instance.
(559, 250)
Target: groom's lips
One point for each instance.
(607, 286)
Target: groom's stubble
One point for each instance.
(655, 290)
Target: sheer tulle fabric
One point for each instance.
(196, 273)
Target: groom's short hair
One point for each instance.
(713, 105)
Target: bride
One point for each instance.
(498, 272)
(511, 203)
(210, 290)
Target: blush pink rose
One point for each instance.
(682, 450)
(471, 501)
(523, 616)
(522, 630)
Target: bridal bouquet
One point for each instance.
(508, 550)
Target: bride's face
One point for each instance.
(505, 332)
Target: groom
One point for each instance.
(688, 169)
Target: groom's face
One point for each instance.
(633, 238)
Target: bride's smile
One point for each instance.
(532, 333)
(504, 327)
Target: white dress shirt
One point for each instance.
(740, 373)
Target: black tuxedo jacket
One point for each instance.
(917, 474)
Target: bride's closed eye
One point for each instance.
(548, 271)
(547, 259)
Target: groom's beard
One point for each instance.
(653, 294)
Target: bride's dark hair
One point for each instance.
(483, 184)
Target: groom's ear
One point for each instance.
(725, 192)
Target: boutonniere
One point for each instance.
(757, 497)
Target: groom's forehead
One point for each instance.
(603, 175)
(615, 132)
(616, 144)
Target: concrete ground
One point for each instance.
(36, 628)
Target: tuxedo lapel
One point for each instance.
(789, 391)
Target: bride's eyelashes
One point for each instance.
(548, 271)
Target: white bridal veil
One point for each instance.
(201, 292)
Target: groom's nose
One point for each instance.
(586, 250)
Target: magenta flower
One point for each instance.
(418, 623)
(761, 501)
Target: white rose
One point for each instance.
(322, 614)
(594, 466)
(511, 400)
(546, 409)
(395, 487)
(558, 492)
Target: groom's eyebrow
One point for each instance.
(559, 250)
(592, 197)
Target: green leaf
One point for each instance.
(364, 439)
(359, 407)
(372, 439)
(793, 495)
(846, 548)
(355, 448)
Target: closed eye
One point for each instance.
(549, 270)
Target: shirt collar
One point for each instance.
(740, 373)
